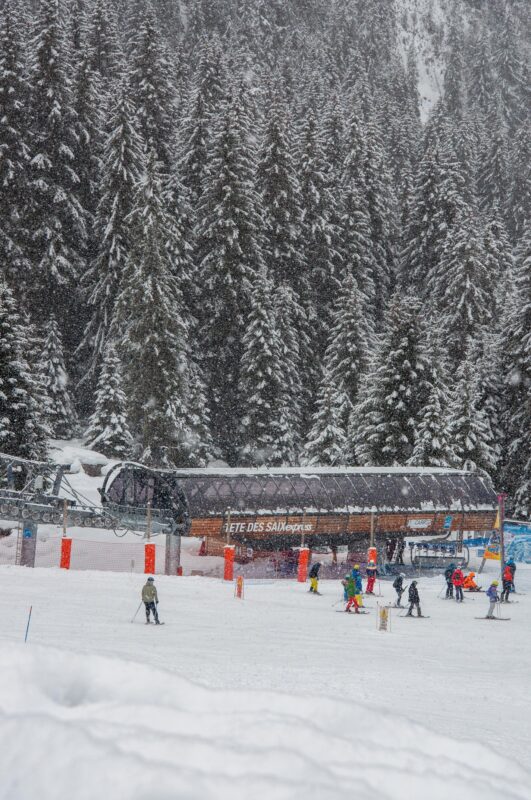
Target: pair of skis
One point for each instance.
(147, 623)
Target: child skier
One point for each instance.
(372, 572)
(507, 582)
(398, 586)
(150, 600)
(470, 584)
(356, 574)
(492, 594)
(414, 600)
(349, 584)
(314, 577)
(458, 580)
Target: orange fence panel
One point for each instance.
(228, 569)
(149, 558)
(66, 552)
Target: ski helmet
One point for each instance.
(356, 566)
(402, 574)
(413, 583)
(150, 579)
(346, 577)
(495, 583)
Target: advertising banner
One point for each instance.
(518, 540)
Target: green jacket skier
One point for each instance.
(150, 599)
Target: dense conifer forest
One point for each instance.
(268, 232)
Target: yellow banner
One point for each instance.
(490, 554)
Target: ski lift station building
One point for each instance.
(273, 509)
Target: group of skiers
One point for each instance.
(413, 594)
(353, 588)
(395, 550)
(456, 579)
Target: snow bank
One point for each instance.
(82, 726)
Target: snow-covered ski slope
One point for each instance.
(275, 696)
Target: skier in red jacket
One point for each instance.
(458, 580)
(372, 572)
(507, 582)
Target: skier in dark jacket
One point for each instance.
(449, 571)
(151, 600)
(414, 600)
(398, 586)
(400, 552)
(314, 577)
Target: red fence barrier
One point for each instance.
(66, 552)
(149, 558)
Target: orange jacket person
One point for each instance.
(470, 584)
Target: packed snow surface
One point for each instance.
(275, 696)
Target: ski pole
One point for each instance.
(136, 612)
(27, 626)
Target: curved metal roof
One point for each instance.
(211, 491)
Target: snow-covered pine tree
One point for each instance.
(453, 77)
(108, 430)
(326, 442)
(393, 394)
(461, 291)
(381, 213)
(519, 193)
(481, 82)
(261, 379)
(294, 356)
(195, 133)
(150, 328)
(229, 253)
(320, 237)
(22, 429)
(498, 263)
(516, 342)
(201, 448)
(346, 356)
(89, 123)
(281, 200)
(355, 226)
(181, 242)
(14, 152)
(105, 57)
(493, 172)
(433, 437)
(509, 61)
(55, 216)
(487, 357)
(121, 170)
(425, 231)
(61, 415)
(469, 424)
(87, 149)
(152, 91)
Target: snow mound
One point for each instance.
(79, 725)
